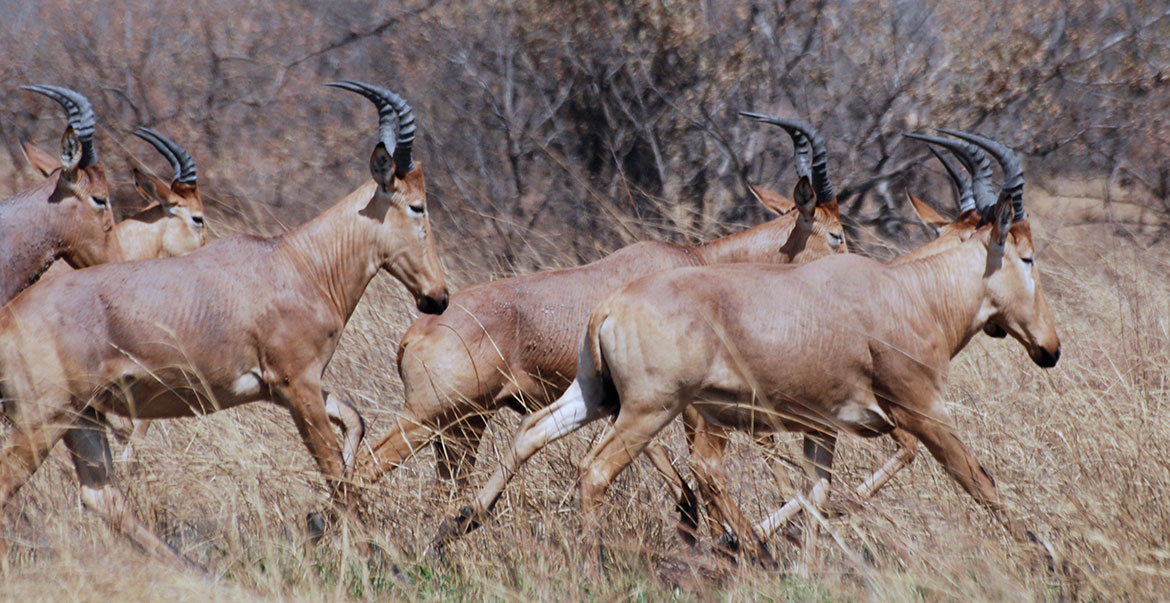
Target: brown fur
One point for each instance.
(243, 319)
(843, 343)
(511, 343)
(66, 216)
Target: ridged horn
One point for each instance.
(976, 162)
(181, 161)
(400, 140)
(80, 113)
(819, 174)
(964, 185)
(1013, 172)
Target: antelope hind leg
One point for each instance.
(618, 448)
(90, 451)
(688, 503)
(570, 412)
(456, 448)
(27, 446)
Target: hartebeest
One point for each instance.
(67, 216)
(510, 343)
(243, 319)
(976, 198)
(844, 343)
(169, 226)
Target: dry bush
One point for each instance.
(552, 137)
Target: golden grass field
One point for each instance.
(1079, 450)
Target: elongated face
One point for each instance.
(406, 245)
(1019, 305)
(83, 198)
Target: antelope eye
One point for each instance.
(417, 210)
(1027, 261)
(198, 220)
(835, 239)
(100, 201)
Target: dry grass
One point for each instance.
(1079, 450)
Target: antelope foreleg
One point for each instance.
(939, 437)
(727, 522)
(688, 502)
(305, 402)
(352, 426)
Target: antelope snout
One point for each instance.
(433, 303)
(1045, 358)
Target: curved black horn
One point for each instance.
(1013, 173)
(80, 113)
(179, 159)
(976, 162)
(802, 150)
(797, 129)
(967, 199)
(399, 142)
(966, 194)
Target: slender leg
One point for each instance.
(569, 413)
(618, 448)
(455, 449)
(91, 457)
(708, 445)
(407, 437)
(27, 446)
(688, 503)
(818, 457)
(303, 398)
(907, 450)
(936, 432)
(352, 425)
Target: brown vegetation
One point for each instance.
(552, 136)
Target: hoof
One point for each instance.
(315, 523)
(453, 528)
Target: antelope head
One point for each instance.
(1015, 301)
(405, 247)
(179, 202)
(817, 230)
(81, 191)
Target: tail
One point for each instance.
(592, 372)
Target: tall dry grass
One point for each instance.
(1080, 450)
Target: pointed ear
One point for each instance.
(1002, 214)
(805, 199)
(41, 161)
(930, 218)
(772, 200)
(70, 151)
(152, 188)
(382, 166)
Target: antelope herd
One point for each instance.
(774, 328)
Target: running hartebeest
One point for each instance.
(243, 319)
(510, 343)
(707, 442)
(844, 343)
(66, 216)
(172, 225)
